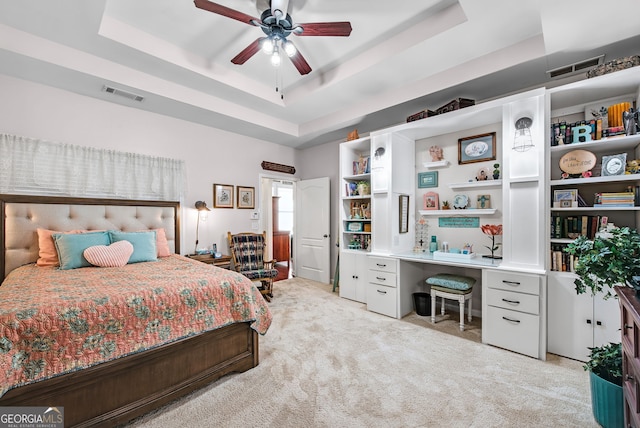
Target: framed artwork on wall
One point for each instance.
(478, 148)
(428, 179)
(404, 214)
(246, 197)
(222, 196)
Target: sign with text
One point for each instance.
(459, 222)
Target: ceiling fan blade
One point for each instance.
(225, 11)
(324, 29)
(248, 52)
(300, 63)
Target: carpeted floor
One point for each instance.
(328, 362)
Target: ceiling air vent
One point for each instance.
(122, 93)
(575, 67)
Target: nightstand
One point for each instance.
(221, 262)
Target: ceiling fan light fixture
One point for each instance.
(275, 57)
(267, 46)
(289, 48)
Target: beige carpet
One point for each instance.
(328, 362)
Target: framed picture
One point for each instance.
(484, 202)
(246, 197)
(431, 201)
(478, 148)
(427, 179)
(614, 164)
(404, 214)
(565, 195)
(222, 196)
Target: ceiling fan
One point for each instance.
(277, 24)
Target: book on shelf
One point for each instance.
(561, 261)
(570, 227)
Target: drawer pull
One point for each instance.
(511, 282)
(515, 302)
(381, 279)
(381, 265)
(628, 326)
(598, 322)
(381, 292)
(511, 320)
(630, 378)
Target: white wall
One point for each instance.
(211, 155)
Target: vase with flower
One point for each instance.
(492, 230)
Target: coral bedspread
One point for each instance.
(57, 321)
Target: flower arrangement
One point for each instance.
(492, 230)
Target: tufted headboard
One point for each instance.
(22, 215)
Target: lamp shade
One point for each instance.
(202, 206)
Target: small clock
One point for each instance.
(460, 202)
(614, 164)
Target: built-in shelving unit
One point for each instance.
(592, 321)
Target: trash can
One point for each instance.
(422, 303)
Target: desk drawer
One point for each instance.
(383, 278)
(381, 299)
(514, 301)
(511, 281)
(516, 331)
(382, 264)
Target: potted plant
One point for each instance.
(605, 378)
(611, 258)
(496, 171)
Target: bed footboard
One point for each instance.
(117, 391)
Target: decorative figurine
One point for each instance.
(496, 171)
(436, 153)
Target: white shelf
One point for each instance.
(561, 240)
(474, 184)
(356, 198)
(588, 209)
(357, 219)
(605, 144)
(459, 213)
(439, 164)
(357, 177)
(601, 179)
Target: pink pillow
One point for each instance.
(161, 243)
(114, 255)
(48, 256)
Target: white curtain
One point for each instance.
(37, 167)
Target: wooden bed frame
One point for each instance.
(117, 391)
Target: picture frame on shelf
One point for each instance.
(427, 179)
(245, 197)
(222, 196)
(477, 148)
(614, 164)
(565, 198)
(483, 202)
(431, 201)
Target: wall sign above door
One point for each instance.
(270, 166)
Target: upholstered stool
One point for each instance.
(454, 287)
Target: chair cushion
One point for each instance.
(260, 273)
(435, 288)
(454, 282)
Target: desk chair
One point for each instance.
(247, 251)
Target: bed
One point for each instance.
(140, 374)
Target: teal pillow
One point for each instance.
(448, 280)
(144, 244)
(71, 246)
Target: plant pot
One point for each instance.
(607, 402)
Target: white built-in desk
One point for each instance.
(511, 304)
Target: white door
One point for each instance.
(312, 227)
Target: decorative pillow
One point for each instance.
(144, 244)
(455, 282)
(114, 255)
(71, 247)
(161, 243)
(47, 253)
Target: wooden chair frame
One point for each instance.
(267, 265)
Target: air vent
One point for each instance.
(123, 93)
(575, 67)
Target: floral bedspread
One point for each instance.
(58, 321)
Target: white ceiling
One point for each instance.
(403, 56)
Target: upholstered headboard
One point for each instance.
(22, 215)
